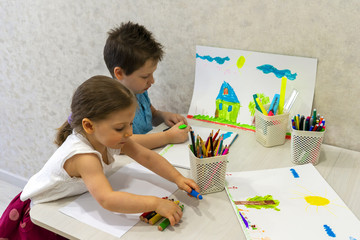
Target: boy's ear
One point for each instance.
(88, 125)
(119, 73)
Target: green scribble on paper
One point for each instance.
(267, 197)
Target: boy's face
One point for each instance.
(140, 80)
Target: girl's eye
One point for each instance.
(119, 129)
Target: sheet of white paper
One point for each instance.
(247, 73)
(306, 207)
(132, 178)
(178, 154)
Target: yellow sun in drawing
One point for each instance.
(317, 201)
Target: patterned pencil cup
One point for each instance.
(306, 146)
(270, 130)
(208, 173)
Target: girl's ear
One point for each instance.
(88, 126)
(119, 73)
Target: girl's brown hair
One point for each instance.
(95, 99)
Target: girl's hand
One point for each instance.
(187, 184)
(176, 135)
(173, 118)
(170, 210)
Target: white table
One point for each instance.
(213, 217)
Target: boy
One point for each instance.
(131, 54)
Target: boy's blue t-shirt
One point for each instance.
(143, 116)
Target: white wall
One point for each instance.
(48, 48)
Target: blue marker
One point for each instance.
(196, 194)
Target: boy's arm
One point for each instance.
(169, 118)
(155, 140)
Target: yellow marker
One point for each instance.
(297, 122)
(261, 107)
(282, 95)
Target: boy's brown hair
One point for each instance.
(129, 47)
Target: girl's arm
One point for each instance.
(159, 165)
(89, 168)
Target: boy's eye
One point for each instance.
(119, 129)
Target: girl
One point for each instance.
(99, 127)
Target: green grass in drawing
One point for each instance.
(222, 121)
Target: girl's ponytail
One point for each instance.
(63, 132)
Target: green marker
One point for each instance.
(183, 126)
(164, 224)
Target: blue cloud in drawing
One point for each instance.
(267, 68)
(219, 60)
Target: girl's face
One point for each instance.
(115, 130)
(142, 79)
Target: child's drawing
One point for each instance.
(226, 80)
(272, 204)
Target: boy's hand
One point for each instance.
(170, 210)
(171, 119)
(176, 135)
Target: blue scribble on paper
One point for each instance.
(267, 68)
(329, 231)
(293, 171)
(351, 238)
(244, 220)
(227, 135)
(219, 60)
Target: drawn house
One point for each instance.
(227, 103)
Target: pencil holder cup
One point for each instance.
(306, 146)
(208, 173)
(270, 130)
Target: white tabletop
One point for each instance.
(213, 217)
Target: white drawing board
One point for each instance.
(244, 73)
(303, 206)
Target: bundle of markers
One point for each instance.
(313, 123)
(153, 217)
(213, 146)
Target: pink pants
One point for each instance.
(15, 223)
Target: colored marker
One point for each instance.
(183, 126)
(193, 142)
(314, 117)
(256, 104)
(282, 94)
(261, 107)
(301, 125)
(196, 194)
(272, 105)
